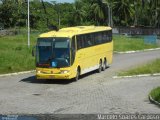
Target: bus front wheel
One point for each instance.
(77, 75)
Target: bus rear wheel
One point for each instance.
(100, 67)
(104, 65)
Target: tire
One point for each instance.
(100, 67)
(104, 65)
(77, 75)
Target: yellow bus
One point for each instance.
(73, 51)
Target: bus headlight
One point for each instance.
(38, 71)
(64, 71)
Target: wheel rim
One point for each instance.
(100, 67)
(104, 65)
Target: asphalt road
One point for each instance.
(93, 93)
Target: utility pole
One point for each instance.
(110, 23)
(28, 27)
(109, 16)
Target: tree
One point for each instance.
(82, 12)
(45, 11)
(155, 6)
(7, 10)
(99, 10)
(78, 13)
(124, 10)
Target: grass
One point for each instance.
(155, 94)
(15, 55)
(124, 43)
(150, 68)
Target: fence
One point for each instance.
(136, 31)
(150, 39)
(6, 32)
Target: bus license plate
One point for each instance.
(51, 77)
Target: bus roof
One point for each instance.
(71, 31)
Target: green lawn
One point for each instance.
(125, 43)
(155, 94)
(15, 55)
(150, 68)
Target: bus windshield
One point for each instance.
(53, 52)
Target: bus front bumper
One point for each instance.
(53, 76)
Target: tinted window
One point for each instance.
(73, 50)
(79, 42)
(98, 38)
(89, 40)
(92, 39)
(61, 44)
(53, 52)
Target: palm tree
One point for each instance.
(156, 9)
(124, 10)
(78, 12)
(99, 10)
(138, 7)
(152, 12)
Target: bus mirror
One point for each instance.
(33, 51)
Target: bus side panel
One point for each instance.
(88, 58)
(82, 57)
(109, 55)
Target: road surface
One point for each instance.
(93, 93)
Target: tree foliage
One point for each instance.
(13, 13)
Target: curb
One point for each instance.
(153, 101)
(142, 75)
(136, 51)
(17, 73)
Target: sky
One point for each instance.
(61, 1)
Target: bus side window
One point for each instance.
(110, 34)
(85, 44)
(99, 38)
(79, 45)
(73, 46)
(73, 50)
(104, 37)
(107, 36)
(96, 38)
(89, 41)
(83, 41)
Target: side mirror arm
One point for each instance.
(33, 51)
